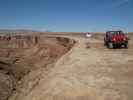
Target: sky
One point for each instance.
(67, 15)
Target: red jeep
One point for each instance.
(115, 39)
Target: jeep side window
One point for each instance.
(110, 35)
(107, 35)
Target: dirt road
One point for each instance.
(96, 73)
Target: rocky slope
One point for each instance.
(21, 55)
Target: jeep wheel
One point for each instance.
(126, 46)
(110, 45)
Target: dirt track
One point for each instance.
(83, 74)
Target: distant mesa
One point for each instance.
(17, 31)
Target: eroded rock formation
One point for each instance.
(22, 54)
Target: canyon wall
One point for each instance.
(22, 54)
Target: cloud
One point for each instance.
(119, 3)
(124, 2)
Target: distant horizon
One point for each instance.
(32, 30)
(47, 30)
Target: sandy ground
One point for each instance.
(96, 73)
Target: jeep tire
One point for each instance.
(110, 45)
(126, 45)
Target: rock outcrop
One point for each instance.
(22, 54)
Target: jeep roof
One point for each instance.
(115, 32)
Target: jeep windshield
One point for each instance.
(116, 33)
